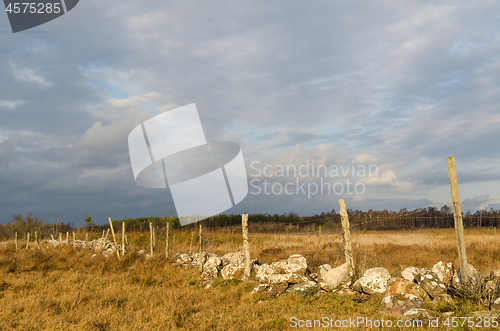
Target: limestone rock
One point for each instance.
(443, 298)
(324, 268)
(182, 258)
(276, 290)
(474, 282)
(444, 271)
(397, 304)
(233, 271)
(292, 271)
(401, 286)
(337, 277)
(430, 282)
(410, 273)
(419, 314)
(374, 281)
(237, 258)
(494, 276)
(303, 289)
(495, 305)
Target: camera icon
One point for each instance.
(205, 178)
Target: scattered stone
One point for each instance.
(430, 282)
(410, 274)
(444, 271)
(419, 314)
(374, 281)
(237, 258)
(346, 291)
(337, 277)
(182, 258)
(443, 298)
(303, 289)
(495, 305)
(473, 282)
(324, 268)
(292, 271)
(261, 288)
(276, 290)
(486, 313)
(396, 304)
(401, 286)
(210, 270)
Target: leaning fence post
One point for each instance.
(27, 240)
(123, 238)
(347, 234)
(151, 237)
(246, 246)
(201, 250)
(457, 213)
(114, 237)
(166, 240)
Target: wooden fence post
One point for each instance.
(347, 234)
(36, 239)
(319, 236)
(114, 237)
(28, 240)
(457, 213)
(16, 240)
(191, 244)
(86, 236)
(67, 237)
(60, 237)
(201, 250)
(151, 237)
(246, 246)
(74, 240)
(275, 241)
(123, 238)
(166, 240)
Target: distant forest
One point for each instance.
(430, 217)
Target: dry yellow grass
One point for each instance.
(63, 289)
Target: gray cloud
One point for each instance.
(405, 84)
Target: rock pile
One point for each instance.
(402, 295)
(106, 247)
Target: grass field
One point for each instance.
(66, 289)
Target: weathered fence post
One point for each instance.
(151, 237)
(60, 237)
(28, 240)
(246, 246)
(74, 240)
(275, 241)
(114, 237)
(36, 239)
(123, 238)
(16, 240)
(201, 250)
(347, 234)
(457, 213)
(67, 237)
(319, 236)
(86, 236)
(191, 244)
(166, 240)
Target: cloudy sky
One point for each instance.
(392, 84)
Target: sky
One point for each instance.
(398, 86)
